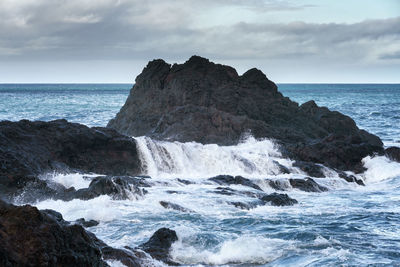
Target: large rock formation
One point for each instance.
(210, 103)
(28, 149)
(32, 237)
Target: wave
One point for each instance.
(251, 157)
(380, 168)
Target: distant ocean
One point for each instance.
(349, 225)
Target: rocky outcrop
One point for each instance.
(32, 237)
(29, 237)
(28, 149)
(210, 103)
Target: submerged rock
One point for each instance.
(307, 185)
(229, 180)
(173, 206)
(210, 103)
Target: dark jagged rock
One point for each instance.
(173, 206)
(32, 237)
(210, 103)
(244, 206)
(280, 185)
(185, 182)
(159, 245)
(310, 168)
(118, 187)
(307, 185)
(28, 149)
(29, 237)
(85, 223)
(276, 199)
(229, 180)
(393, 153)
(350, 178)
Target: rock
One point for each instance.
(307, 185)
(29, 237)
(185, 182)
(351, 178)
(28, 149)
(118, 187)
(173, 206)
(229, 180)
(276, 199)
(210, 103)
(85, 223)
(244, 206)
(310, 168)
(281, 185)
(393, 153)
(159, 245)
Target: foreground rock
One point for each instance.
(28, 149)
(307, 185)
(210, 103)
(32, 237)
(29, 237)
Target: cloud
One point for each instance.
(116, 30)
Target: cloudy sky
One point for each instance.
(356, 41)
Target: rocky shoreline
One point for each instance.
(195, 101)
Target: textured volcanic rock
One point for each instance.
(29, 237)
(276, 199)
(159, 245)
(307, 185)
(32, 237)
(28, 149)
(210, 103)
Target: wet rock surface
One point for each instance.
(28, 149)
(238, 180)
(32, 237)
(29, 237)
(159, 245)
(307, 185)
(210, 103)
(173, 206)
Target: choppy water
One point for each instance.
(349, 225)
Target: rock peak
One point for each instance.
(209, 103)
(198, 60)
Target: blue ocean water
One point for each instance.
(349, 225)
(375, 107)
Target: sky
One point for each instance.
(111, 41)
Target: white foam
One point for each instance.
(244, 250)
(72, 180)
(251, 157)
(101, 208)
(380, 168)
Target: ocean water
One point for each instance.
(349, 225)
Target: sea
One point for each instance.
(350, 225)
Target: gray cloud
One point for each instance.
(135, 30)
